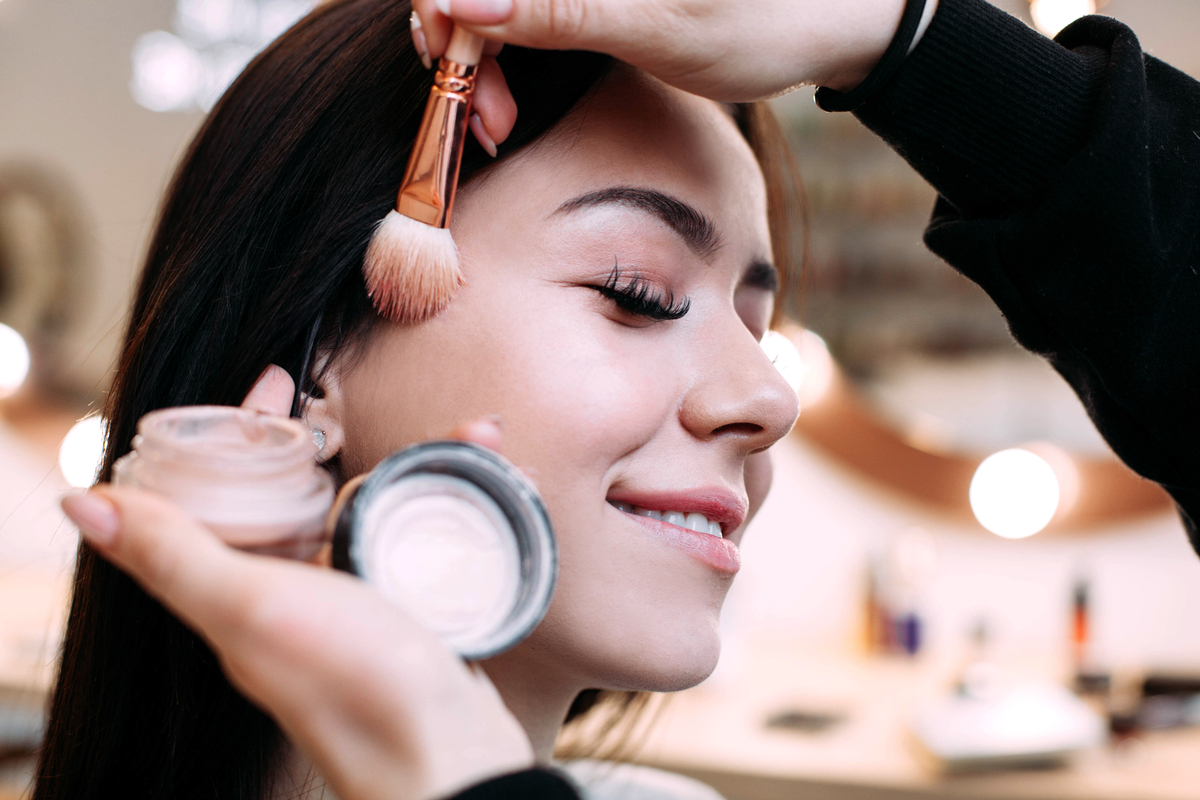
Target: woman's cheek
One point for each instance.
(758, 472)
(589, 397)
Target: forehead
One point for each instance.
(634, 131)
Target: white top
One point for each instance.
(605, 780)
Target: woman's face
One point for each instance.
(608, 403)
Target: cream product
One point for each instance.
(250, 477)
(456, 536)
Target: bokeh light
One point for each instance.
(14, 361)
(213, 42)
(81, 451)
(785, 357)
(1014, 493)
(803, 359)
(818, 367)
(167, 72)
(213, 21)
(1051, 16)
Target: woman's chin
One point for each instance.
(678, 680)
(667, 665)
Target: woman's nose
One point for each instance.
(739, 394)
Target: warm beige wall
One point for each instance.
(65, 102)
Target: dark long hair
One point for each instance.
(261, 235)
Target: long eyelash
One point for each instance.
(638, 297)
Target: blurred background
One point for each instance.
(954, 588)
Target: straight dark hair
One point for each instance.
(261, 235)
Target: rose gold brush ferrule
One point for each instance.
(427, 193)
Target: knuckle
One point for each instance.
(566, 20)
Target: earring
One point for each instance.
(318, 437)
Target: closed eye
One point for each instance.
(635, 295)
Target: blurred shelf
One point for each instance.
(716, 733)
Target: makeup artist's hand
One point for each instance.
(730, 51)
(382, 708)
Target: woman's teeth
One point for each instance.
(692, 522)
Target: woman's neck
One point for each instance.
(535, 694)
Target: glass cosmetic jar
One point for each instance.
(250, 477)
(456, 536)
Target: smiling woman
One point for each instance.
(619, 267)
(615, 332)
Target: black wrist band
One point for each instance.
(830, 100)
(531, 784)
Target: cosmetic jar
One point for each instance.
(250, 477)
(456, 536)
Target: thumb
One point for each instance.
(487, 432)
(272, 392)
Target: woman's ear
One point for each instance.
(323, 408)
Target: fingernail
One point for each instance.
(482, 135)
(95, 516)
(419, 43)
(481, 12)
(443, 6)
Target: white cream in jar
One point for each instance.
(448, 557)
(457, 537)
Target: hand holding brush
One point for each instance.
(710, 47)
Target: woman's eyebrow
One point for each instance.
(697, 230)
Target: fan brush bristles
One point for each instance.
(411, 269)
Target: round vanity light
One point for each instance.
(14, 361)
(785, 357)
(167, 72)
(81, 451)
(1014, 493)
(817, 367)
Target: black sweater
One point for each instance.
(1069, 183)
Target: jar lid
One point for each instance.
(228, 434)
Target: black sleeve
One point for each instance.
(532, 784)
(1069, 182)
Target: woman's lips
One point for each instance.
(709, 548)
(694, 521)
(715, 504)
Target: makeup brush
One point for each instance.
(411, 267)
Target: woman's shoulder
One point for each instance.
(604, 780)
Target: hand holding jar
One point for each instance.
(374, 699)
